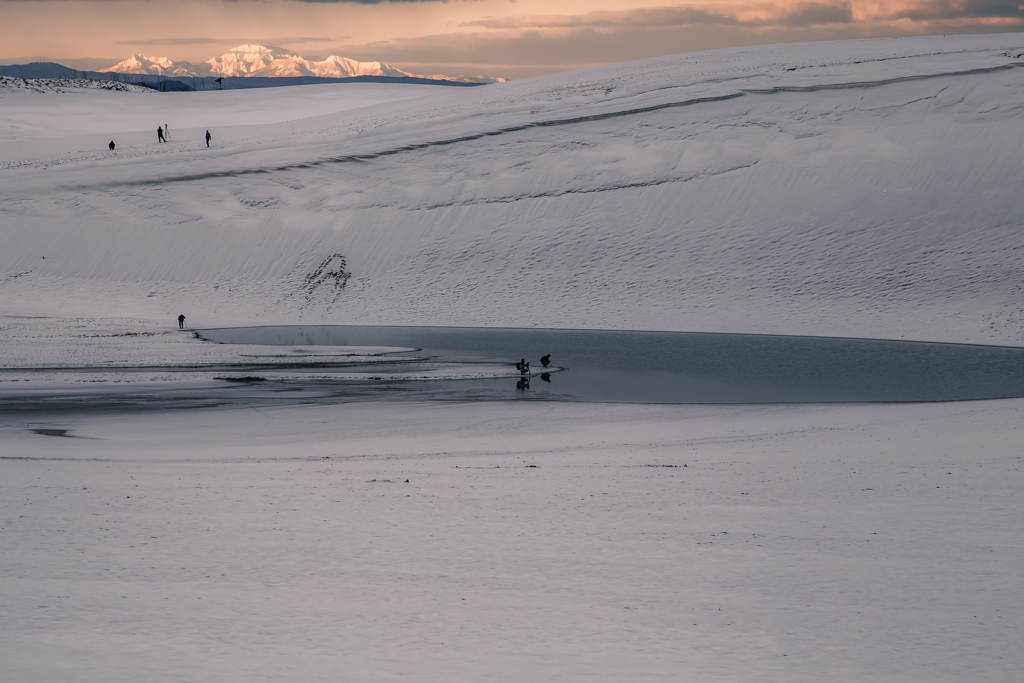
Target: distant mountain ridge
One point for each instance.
(247, 61)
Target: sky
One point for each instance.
(507, 38)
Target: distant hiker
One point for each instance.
(522, 366)
(111, 146)
(208, 138)
(545, 360)
(160, 134)
(181, 321)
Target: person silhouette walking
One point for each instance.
(208, 138)
(181, 321)
(160, 134)
(111, 146)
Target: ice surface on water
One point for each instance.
(699, 368)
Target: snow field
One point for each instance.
(865, 189)
(531, 542)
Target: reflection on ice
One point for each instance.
(271, 366)
(678, 367)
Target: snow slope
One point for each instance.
(866, 188)
(44, 120)
(14, 86)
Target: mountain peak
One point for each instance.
(274, 62)
(155, 66)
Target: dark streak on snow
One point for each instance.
(356, 158)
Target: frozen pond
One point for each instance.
(673, 367)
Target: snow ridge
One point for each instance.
(615, 113)
(9, 86)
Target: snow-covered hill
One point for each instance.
(14, 86)
(272, 62)
(865, 188)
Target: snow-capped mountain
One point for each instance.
(272, 62)
(153, 66)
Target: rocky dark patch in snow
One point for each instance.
(52, 432)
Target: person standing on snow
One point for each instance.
(111, 146)
(208, 138)
(181, 321)
(160, 134)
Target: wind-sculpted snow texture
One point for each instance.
(864, 188)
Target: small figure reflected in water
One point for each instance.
(523, 383)
(522, 366)
(546, 377)
(545, 360)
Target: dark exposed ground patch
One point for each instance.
(52, 432)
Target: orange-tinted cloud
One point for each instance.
(763, 15)
(491, 37)
(289, 40)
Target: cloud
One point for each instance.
(307, 2)
(523, 46)
(362, 2)
(816, 14)
(294, 40)
(657, 16)
(457, 36)
(755, 15)
(763, 15)
(938, 10)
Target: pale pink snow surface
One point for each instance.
(864, 188)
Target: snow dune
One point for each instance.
(867, 188)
